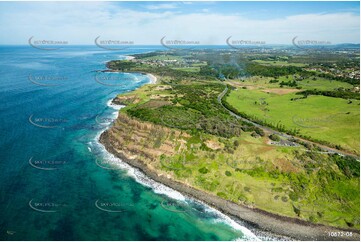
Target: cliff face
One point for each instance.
(143, 141)
(141, 144)
(125, 100)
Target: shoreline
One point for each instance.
(153, 79)
(129, 57)
(140, 177)
(258, 219)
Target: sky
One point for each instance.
(208, 23)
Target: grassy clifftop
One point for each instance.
(178, 129)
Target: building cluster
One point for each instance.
(353, 73)
(161, 62)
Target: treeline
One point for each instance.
(151, 54)
(222, 71)
(336, 93)
(122, 65)
(339, 78)
(175, 75)
(277, 71)
(288, 83)
(272, 71)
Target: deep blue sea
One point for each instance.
(57, 182)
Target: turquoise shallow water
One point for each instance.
(57, 181)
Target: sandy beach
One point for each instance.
(129, 57)
(153, 79)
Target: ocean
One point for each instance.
(57, 181)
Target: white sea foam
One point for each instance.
(132, 76)
(227, 220)
(222, 218)
(159, 188)
(152, 79)
(114, 106)
(127, 57)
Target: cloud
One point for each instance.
(80, 23)
(162, 6)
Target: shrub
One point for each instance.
(296, 210)
(274, 137)
(259, 131)
(247, 189)
(348, 165)
(222, 195)
(293, 196)
(203, 170)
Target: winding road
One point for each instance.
(325, 149)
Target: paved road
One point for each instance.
(325, 149)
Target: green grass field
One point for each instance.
(319, 84)
(324, 118)
(306, 84)
(278, 63)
